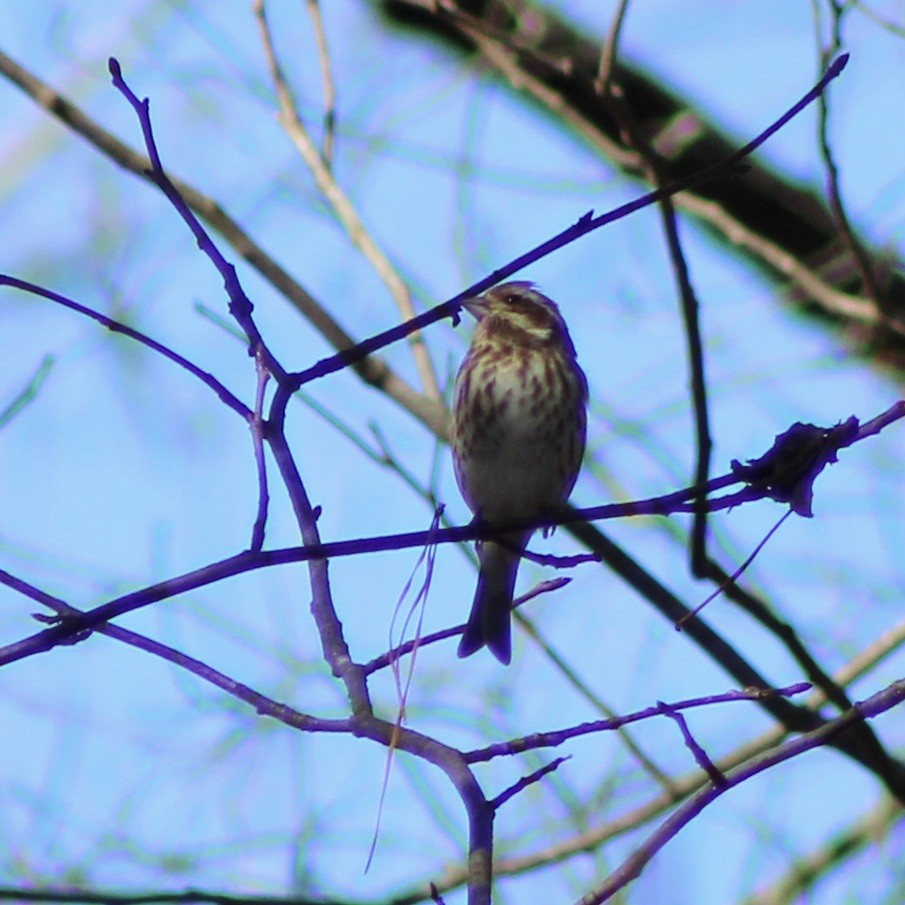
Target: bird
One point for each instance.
(519, 426)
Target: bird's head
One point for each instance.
(517, 313)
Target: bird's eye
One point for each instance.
(511, 298)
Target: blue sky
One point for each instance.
(125, 471)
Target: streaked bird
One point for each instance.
(519, 429)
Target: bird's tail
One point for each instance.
(489, 621)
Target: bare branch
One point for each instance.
(343, 207)
(879, 703)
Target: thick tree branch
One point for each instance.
(789, 231)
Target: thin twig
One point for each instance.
(730, 580)
(702, 758)
(240, 305)
(408, 647)
(115, 326)
(257, 438)
(608, 51)
(538, 740)
(887, 24)
(323, 56)
(314, 551)
(883, 701)
(342, 205)
(834, 191)
(29, 392)
(202, 670)
(611, 94)
(586, 224)
(689, 783)
(526, 781)
(646, 762)
(372, 370)
(833, 301)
